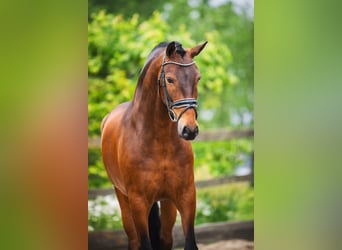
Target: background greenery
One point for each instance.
(231, 202)
(120, 37)
(298, 93)
(121, 34)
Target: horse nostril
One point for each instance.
(186, 132)
(189, 134)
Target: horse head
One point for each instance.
(178, 79)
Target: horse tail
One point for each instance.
(154, 226)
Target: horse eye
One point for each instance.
(169, 80)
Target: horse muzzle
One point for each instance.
(187, 125)
(188, 133)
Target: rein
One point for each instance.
(185, 103)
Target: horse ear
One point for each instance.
(196, 50)
(171, 47)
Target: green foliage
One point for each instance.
(234, 31)
(119, 42)
(118, 48)
(97, 175)
(225, 203)
(104, 213)
(219, 158)
(125, 8)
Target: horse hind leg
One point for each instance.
(127, 221)
(168, 219)
(154, 226)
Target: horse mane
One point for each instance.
(153, 54)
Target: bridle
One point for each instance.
(186, 103)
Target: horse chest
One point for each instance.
(160, 164)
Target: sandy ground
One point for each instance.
(227, 245)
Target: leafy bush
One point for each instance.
(97, 175)
(118, 48)
(220, 158)
(231, 202)
(104, 213)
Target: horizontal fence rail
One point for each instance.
(223, 180)
(93, 193)
(207, 233)
(209, 135)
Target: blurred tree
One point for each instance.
(125, 8)
(236, 30)
(232, 104)
(117, 49)
(119, 41)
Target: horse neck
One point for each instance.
(148, 110)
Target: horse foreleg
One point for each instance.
(140, 209)
(168, 219)
(127, 221)
(186, 205)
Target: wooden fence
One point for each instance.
(210, 135)
(93, 193)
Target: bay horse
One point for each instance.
(147, 152)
